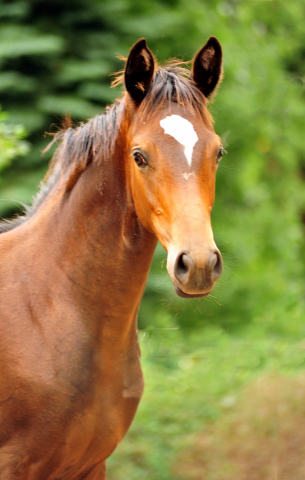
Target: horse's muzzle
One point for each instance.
(194, 275)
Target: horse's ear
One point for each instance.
(207, 67)
(139, 71)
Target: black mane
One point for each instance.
(94, 139)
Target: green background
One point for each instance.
(56, 58)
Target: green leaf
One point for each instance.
(12, 143)
(17, 41)
(67, 105)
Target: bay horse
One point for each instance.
(74, 266)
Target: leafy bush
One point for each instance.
(260, 438)
(12, 143)
(56, 59)
(217, 407)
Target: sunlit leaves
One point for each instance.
(12, 141)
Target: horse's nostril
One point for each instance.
(216, 265)
(183, 267)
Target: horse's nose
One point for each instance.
(186, 270)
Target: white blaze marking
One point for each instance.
(183, 131)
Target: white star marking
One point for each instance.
(183, 131)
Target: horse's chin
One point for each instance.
(182, 294)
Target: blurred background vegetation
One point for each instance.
(198, 356)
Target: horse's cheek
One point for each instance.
(143, 201)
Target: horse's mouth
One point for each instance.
(180, 293)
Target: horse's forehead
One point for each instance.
(174, 126)
(183, 131)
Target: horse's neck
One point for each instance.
(99, 245)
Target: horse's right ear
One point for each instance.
(139, 71)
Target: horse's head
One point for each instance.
(173, 153)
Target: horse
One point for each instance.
(74, 265)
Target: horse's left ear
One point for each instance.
(139, 71)
(207, 67)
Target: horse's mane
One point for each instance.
(95, 140)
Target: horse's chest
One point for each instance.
(108, 410)
(101, 416)
(74, 421)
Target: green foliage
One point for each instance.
(56, 58)
(11, 141)
(260, 186)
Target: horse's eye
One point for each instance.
(139, 159)
(220, 154)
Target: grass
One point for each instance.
(261, 438)
(213, 403)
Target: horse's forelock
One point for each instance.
(173, 83)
